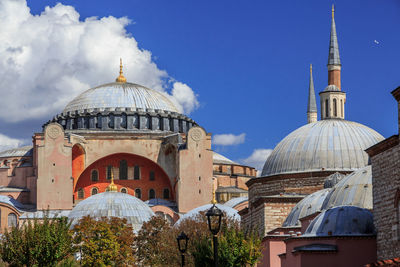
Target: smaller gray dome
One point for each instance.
(307, 206)
(342, 221)
(354, 190)
(333, 179)
(230, 212)
(219, 159)
(332, 87)
(113, 204)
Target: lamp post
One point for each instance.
(214, 215)
(182, 240)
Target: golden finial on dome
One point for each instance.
(112, 187)
(213, 201)
(121, 78)
(310, 68)
(333, 11)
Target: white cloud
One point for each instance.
(8, 142)
(257, 158)
(228, 139)
(185, 96)
(48, 59)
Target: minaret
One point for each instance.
(312, 111)
(333, 98)
(334, 65)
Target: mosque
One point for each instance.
(124, 130)
(121, 149)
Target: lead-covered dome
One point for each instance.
(113, 204)
(228, 211)
(326, 145)
(121, 95)
(353, 190)
(342, 221)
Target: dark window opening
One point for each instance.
(95, 176)
(152, 176)
(152, 194)
(326, 108)
(109, 170)
(123, 190)
(334, 107)
(136, 172)
(123, 170)
(166, 193)
(81, 193)
(95, 191)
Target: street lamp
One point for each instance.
(182, 240)
(214, 215)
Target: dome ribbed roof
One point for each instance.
(354, 190)
(113, 204)
(25, 151)
(329, 145)
(342, 221)
(121, 95)
(307, 206)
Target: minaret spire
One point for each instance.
(312, 105)
(334, 65)
(333, 98)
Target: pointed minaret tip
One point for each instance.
(312, 104)
(333, 11)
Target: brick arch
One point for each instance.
(146, 165)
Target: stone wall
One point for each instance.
(386, 188)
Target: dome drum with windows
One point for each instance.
(123, 106)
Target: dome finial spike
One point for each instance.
(213, 201)
(112, 187)
(121, 78)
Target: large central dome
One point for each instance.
(121, 95)
(326, 145)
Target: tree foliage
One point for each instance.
(37, 243)
(104, 242)
(157, 245)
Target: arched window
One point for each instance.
(166, 193)
(94, 176)
(123, 170)
(95, 191)
(138, 193)
(326, 108)
(136, 172)
(334, 107)
(81, 193)
(12, 220)
(341, 105)
(124, 190)
(109, 170)
(152, 194)
(152, 176)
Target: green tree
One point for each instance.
(104, 242)
(37, 243)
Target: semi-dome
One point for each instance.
(119, 95)
(25, 151)
(326, 145)
(228, 211)
(342, 221)
(219, 159)
(233, 202)
(354, 190)
(113, 204)
(307, 206)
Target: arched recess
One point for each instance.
(78, 162)
(147, 166)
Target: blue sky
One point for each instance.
(247, 61)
